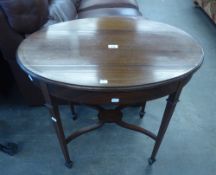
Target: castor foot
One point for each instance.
(142, 110)
(196, 4)
(75, 116)
(9, 148)
(151, 161)
(69, 164)
(141, 114)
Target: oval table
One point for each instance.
(118, 61)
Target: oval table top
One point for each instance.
(110, 52)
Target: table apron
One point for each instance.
(123, 97)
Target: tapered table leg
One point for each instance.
(170, 107)
(55, 116)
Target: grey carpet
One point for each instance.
(189, 146)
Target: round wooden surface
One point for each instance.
(110, 52)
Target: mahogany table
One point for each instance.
(118, 61)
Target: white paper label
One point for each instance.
(115, 100)
(113, 46)
(103, 81)
(30, 77)
(54, 119)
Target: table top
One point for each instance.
(110, 52)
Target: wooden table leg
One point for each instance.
(74, 114)
(170, 107)
(55, 116)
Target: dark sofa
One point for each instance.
(19, 18)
